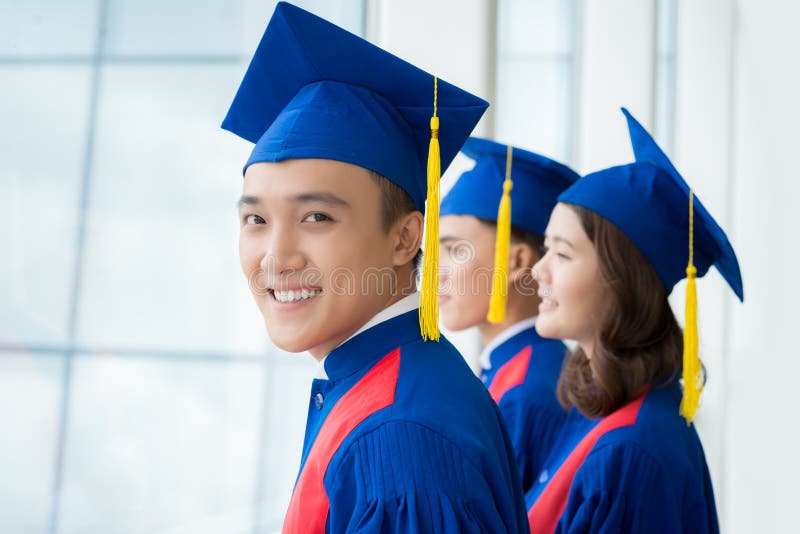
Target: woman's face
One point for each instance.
(569, 285)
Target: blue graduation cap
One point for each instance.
(504, 176)
(315, 90)
(649, 201)
(652, 204)
(537, 180)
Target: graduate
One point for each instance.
(349, 143)
(491, 228)
(628, 458)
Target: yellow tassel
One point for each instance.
(497, 304)
(692, 372)
(429, 297)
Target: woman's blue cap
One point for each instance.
(649, 201)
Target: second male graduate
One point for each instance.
(486, 256)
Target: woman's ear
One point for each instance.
(408, 232)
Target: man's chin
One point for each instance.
(289, 339)
(453, 326)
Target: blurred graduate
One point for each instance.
(628, 458)
(349, 144)
(491, 235)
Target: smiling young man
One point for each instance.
(519, 367)
(400, 435)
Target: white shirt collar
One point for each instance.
(404, 305)
(502, 337)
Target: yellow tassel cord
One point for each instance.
(429, 298)
(692, 372)
(497, 304)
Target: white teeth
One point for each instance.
(294, 296)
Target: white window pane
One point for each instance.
(30, 394)
(667, 20)
(48, 27)
(349, 14)
(161, 261)
(159, 445)
(41, 168)
(665, 106)
(534, 27)
(215, 27)
(532, 109)
(289, 390)
(147, 27)
(665, 74)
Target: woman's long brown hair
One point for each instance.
(638, 341)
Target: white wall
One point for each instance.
(703, 136)
(762, 463)
(617, 51)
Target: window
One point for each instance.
(152, 398)
(535, 75)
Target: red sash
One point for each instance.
(308, 508)
(547, 510)
(511, 374)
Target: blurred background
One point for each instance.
(138, 389)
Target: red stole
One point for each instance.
(309, 506)
(511, 374)
(547, 510)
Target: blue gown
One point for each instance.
(522, 379)
(646, 476)
(418, 445)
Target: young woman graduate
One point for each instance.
(628, 458)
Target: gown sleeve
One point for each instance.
(622, 488)
(533, 424)
(406, 477)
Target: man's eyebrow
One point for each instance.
(247, 200)
(313, 196)
(321, 196)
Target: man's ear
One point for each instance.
(521, 257)
(408, 232)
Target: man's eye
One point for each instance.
(317, 217)
(253, 219)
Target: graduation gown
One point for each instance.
(521, 370)
(640, 469)
(402, 437)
